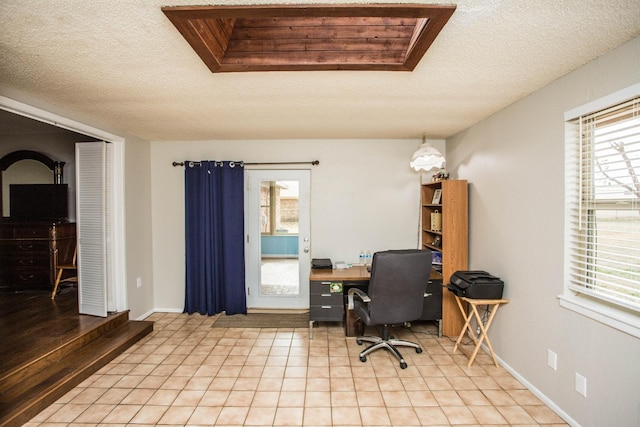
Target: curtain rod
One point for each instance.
(314, 163)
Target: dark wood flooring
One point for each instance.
(31, 324)
(47, 348)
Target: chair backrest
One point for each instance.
(399, 279)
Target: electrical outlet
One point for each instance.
(139, 282)
(552, 360)
(581, 384)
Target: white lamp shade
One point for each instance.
(426, 158)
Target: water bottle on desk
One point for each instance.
(367, 258)
(361, 258)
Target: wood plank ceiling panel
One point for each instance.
(295, 38)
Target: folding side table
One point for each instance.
(492, 305)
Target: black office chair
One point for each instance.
(395, 296)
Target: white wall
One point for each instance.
(138, 230)
(363, 196)
(514, 162)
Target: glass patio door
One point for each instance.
(277, 211)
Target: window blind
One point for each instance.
(602, 209)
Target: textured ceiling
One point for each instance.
(123, 67)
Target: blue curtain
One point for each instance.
(214, 229)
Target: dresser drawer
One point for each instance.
(25, 231)
(21, 246)
(41, 279)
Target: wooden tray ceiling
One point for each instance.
(310, 37)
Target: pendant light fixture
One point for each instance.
(427, 157)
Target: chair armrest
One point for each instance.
(361, 294)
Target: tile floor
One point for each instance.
(187, 373)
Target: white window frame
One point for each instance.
(621, 317)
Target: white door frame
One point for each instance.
(253, 243)
(119, 258)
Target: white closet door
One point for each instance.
(91, 214)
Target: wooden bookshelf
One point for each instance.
(451, 240)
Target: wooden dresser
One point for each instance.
(30, 253)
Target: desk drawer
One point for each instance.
(326, 299)
(325, 287)
(326, 313)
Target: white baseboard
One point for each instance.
(550, 403)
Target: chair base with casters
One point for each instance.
(388, 343)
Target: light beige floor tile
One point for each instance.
(499, 397)
(68, 413)
(390, 384)
(374, 416)
(232, 415)
(94, 414)
(317, 417)
(264, 399)
(431, 416)
(188, 398)
(343, 398)
(459, 415)
(163, 397)
(515, 415)
(421, 398)
(240, 398)
(137, 397)
(542, 414)
(346, 416)
(318, 384)
(294, 384)
(288, 416)
(206, 415)
(246, 384)
(473, 397)
(487, 415)
(88, 395)
(370, 398)
(290, 399)
(121, 414)
(149, 414)
(395, 398)
(186, 372)
(342, 384)
(113, 396)
(403, 416)
(524, 397)
(318, 399)
(260, 416)
(447, 398)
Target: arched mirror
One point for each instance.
(26, 167)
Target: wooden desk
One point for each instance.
(492, 305)
(328, 306)
(352, 274)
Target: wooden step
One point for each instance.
(22, 372)
(31, 388)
